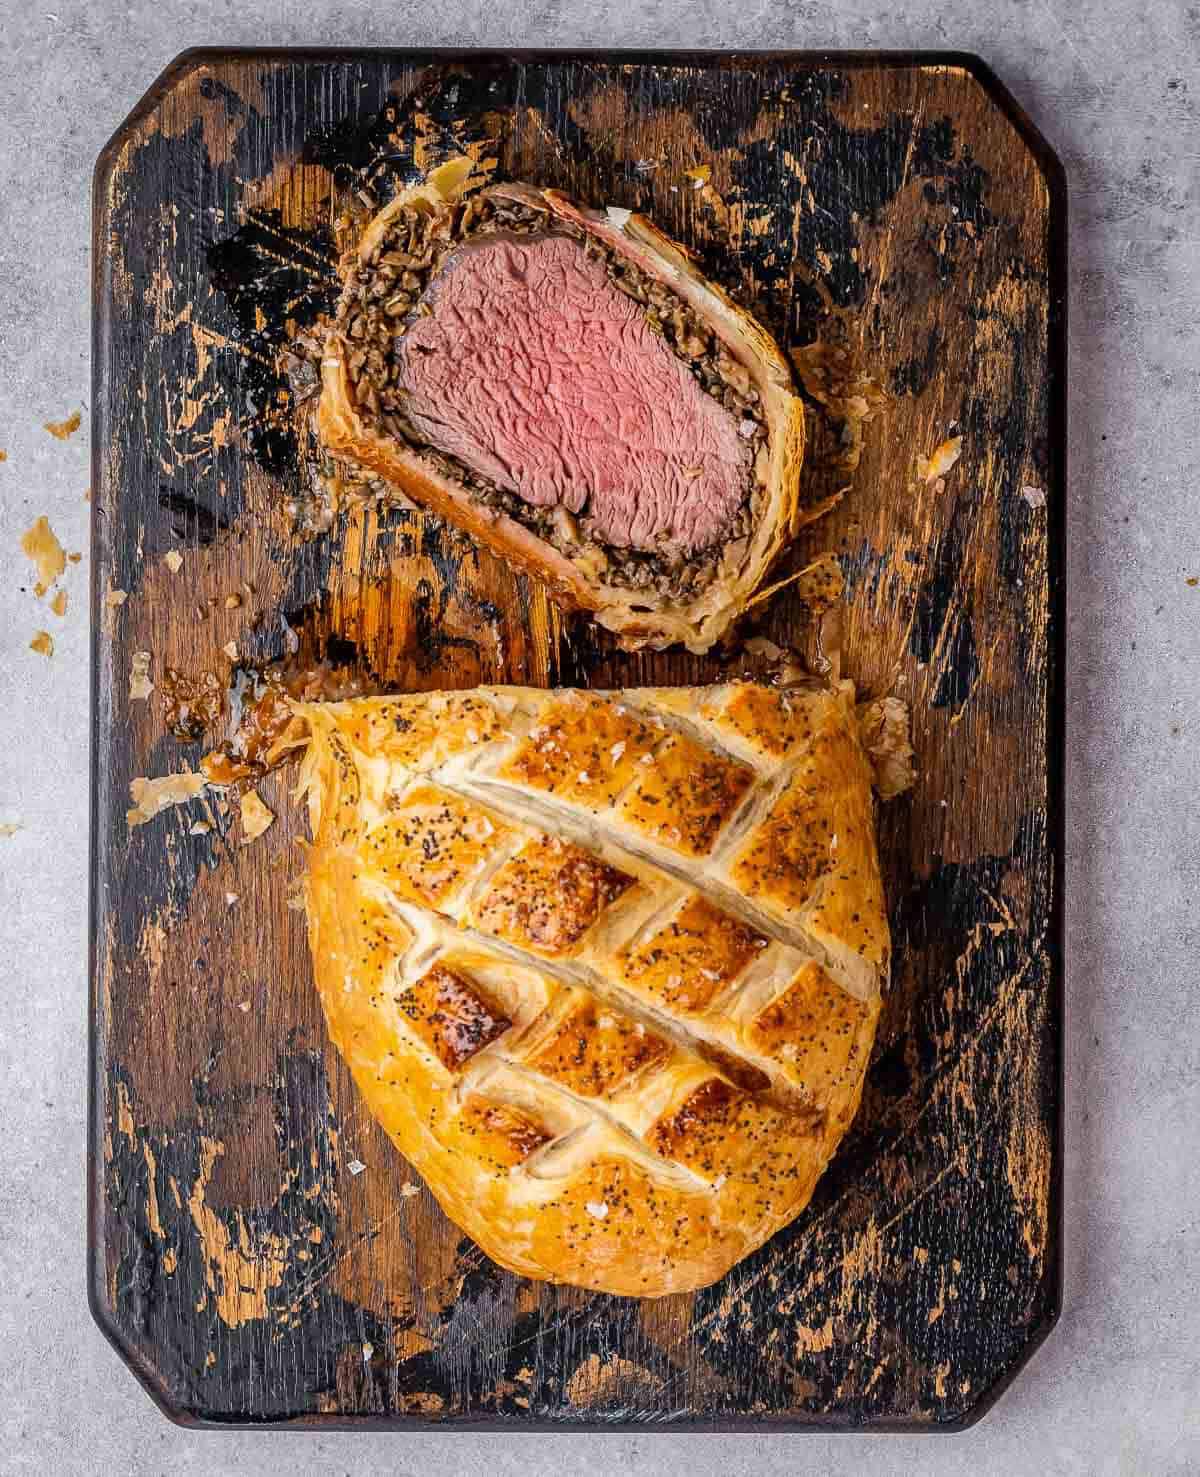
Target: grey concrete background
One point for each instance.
(1115, 85)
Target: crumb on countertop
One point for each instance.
(44, 551)
(62, 429)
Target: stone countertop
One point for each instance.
(1115, 87)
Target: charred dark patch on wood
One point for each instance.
(269, 274)
(912, 375)
(191, 519)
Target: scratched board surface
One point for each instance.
(259, 1251)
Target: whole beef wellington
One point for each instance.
(606, 967)
(565, 385)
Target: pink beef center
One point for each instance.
(537, 373)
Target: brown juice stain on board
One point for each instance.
(428, 608)
(304, 194)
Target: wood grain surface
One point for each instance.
(259, 1251)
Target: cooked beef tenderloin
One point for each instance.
(574, 394)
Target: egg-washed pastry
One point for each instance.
(606, 967)
(567, 386)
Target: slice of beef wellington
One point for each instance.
(566, 386)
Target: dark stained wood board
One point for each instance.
(898, 222)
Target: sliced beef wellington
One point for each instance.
(566, 386)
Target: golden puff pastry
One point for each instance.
(606, 967)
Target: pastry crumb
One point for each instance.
(1034, 496)
(140, 685)
(152, 796)
(59, 604)
(408, 1189)
(9, 828)
(356, 1166)
(114, 598)
(763, 646)
(45, 552)
(819, 584)
(230, 899)
(597, 1208)
(173, 559)
(230, 650)
(884, 728)
(941, 461)
(61, 430)
(42, 643)
(256, 816)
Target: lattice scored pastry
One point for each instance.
(606, 967)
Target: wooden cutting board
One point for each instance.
(259, 1251)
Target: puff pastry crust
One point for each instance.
(606, 967)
